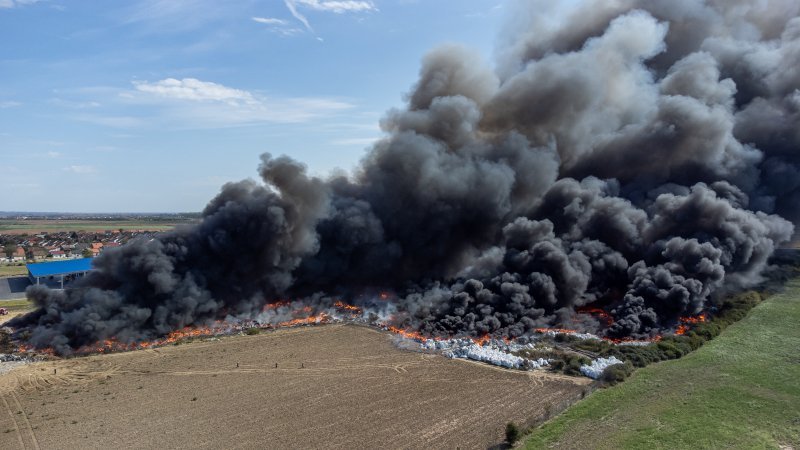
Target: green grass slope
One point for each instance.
(740, 390)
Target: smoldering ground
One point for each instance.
(638, 155)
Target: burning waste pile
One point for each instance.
(641, 161)
(495, 352)
(490, 355)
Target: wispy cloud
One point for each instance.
(160, 16)
(8, 4)
(194, 102)
(293, 9)
(334, 6)
(81, 170)
(278, 26)
(269, 21)
(338, 7)
(194, 89)
(191, 103)
(9, 104)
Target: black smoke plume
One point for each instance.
(635, 155)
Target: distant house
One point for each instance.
(97, 245)
(58, 254)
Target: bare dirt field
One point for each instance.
(335, 386)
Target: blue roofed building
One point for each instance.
(62, 271)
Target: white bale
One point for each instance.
(596, 368)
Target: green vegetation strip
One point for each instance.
(56, 226)
(13, 270)
(740, 390)
(21, 304)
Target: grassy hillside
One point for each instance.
(741, 390)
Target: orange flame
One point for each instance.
(275, 305)
(219, 327)
(310, 320)
(341, 305)
(597, 312)
(684, 327)
(417, 336)
(409, 334)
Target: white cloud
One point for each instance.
(9, 104)
(82, 170)
(293, 9)
(192, 102)
(278, 26)
(195, 90)
(8, 4)
(269, 21)
(53, 154)
(338, 7)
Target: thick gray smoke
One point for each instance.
(632, 155)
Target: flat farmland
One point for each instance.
(31, 226)
(335, 386)
(12, 270)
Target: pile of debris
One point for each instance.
(596, 368)
(495, 352)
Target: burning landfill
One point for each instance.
(612, 173)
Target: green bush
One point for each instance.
(707, 330)
(573, 363)
(617, 373)
(565, 338)
(536, 353)
(639, 356)
(252, 331)
(592, 345)
(557, 365)
(729, 310)
(512, 433)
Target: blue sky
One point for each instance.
(150, 106)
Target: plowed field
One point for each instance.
(334, 386)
